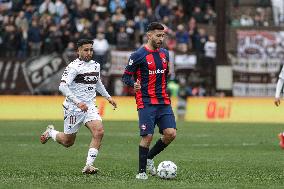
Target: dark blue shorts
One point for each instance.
(151, 115)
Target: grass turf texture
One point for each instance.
(207, 155)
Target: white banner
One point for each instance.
(253, 89)
(185, 61)
(119, 60)
(259, 58)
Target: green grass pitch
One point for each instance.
(207, 155)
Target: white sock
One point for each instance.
(92, 154)
(53, 134)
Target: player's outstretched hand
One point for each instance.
(112, 102)
(82, 106)
(137, 86)
(277, 101)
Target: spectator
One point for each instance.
(192, 31)
(200, 40)
(162, 10)
(183, 92)
(130, 31)
(115, 4)
(198, 15)
(110, 36)
(101, 48)
(179, 16)
(118, 18)
(208, 64)
(129, 9)
(278, 11)
(23, 44)
(122, 39)
(10, 40)
(141, 6)
(21, 21)
(181, 35)
(47, 7)
(34, 39)
(140, 26)
(70, 52)
(210, 16)
(150, 15)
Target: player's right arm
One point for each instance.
(279, 87)
(67, 77)
(130, 71)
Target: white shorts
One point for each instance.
(74, 117)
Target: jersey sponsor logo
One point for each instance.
(158, 71)
(91, 78)
(87, 78)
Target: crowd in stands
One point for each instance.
(35, 27)
(264, 13)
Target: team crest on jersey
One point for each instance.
(164, 60)
(143, 127)
(130, 62)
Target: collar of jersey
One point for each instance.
(149, 50)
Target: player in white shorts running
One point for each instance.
(79, 83)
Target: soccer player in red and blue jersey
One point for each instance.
(147, 72)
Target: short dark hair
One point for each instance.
(155, 26)
(81, 42)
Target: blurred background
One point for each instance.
(218, 48)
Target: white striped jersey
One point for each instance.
(83, 80)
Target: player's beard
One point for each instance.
(156, 45)
(87, 58)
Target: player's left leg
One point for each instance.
(97, 130)
(167, 127)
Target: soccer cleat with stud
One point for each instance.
(88, 169)
(142, 176)
(281, 138)
(151, 167)
(45, 135)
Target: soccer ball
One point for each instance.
(167, 170)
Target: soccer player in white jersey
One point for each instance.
(279, 87)
(79, 83)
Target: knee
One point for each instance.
(170, 135)
(146, 141)
(99, 131)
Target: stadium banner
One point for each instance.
(237, 109)
(34, 75)
(257, 63)
(185, 61)
(119, 59)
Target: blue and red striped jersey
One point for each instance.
(151, 68)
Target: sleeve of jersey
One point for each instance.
(101, 89)
(281, 75)
(130, 70)
(67, 77)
